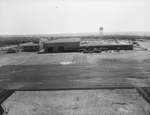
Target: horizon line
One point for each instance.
(85, 33)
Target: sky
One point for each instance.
(73, 16)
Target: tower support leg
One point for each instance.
(4, 94)
(144, 92)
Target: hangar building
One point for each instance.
(62, 45)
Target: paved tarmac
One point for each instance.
(74, 76)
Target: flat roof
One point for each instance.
(101, 43)
(97, 42)
(30, 45)
(88, 45)
(64, 40)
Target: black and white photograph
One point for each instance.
(74, 57)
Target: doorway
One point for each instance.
(61, 49)
(50, 49)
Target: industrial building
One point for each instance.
(62, 45)
(107, 47)
(31, 47)
(90, 44)
(75, 45)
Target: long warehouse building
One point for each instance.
(74, 45)
(107, 46)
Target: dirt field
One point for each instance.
(81, 102)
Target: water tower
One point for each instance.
(101, 31)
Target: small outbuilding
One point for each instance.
(62, 45)
(12, 50)
(31, 47)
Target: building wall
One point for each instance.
(30, 48)
(109, 47)
(68, 46)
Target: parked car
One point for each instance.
(41, 51)
(96, 50)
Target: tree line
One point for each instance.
(20, 39)
(16, 40)
(121, 37)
